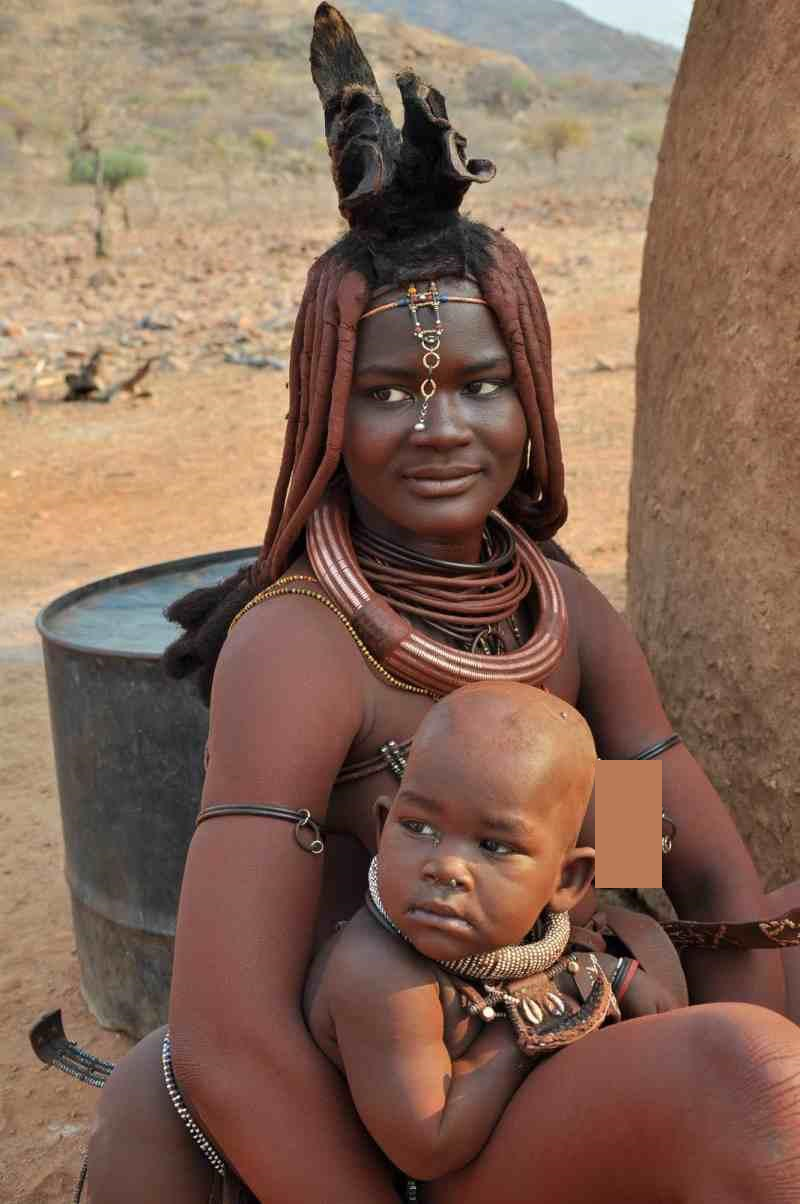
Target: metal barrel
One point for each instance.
(129, 746)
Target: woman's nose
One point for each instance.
(446, 423)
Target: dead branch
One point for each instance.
(128, 384)
(83, 384)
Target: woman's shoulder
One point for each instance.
(288, 646)
(590, 614)
(294, 617)
(288, 701)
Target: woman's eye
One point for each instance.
(482, 388)
(388, 396)
(495, 846)
(419, 827)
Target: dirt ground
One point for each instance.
(89, 490)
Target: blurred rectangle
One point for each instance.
(628, 824)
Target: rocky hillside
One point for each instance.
(213, 99)
(198, 78)
(551, 37)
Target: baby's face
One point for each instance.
(469, 854)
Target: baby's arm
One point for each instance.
(429, 1115)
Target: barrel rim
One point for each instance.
(162, 568)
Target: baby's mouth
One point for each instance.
(435, 913)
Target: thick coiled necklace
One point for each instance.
(510, 962)
(415, 656)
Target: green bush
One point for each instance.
(192, 96)
(263, 141)
(16, 119)
(119, 167)
(556, 135)
(162, 135)
(643, 138)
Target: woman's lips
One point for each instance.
(442, 482)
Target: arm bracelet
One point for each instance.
(301, 819)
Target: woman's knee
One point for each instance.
(748, 1117)
(139, 1150)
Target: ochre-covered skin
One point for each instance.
(293, 699)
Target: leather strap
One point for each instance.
(644, 938)
(779, 933)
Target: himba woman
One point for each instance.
(407, 553)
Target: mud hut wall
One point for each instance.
(714, 540)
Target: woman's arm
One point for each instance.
(709, 874)
(429, 1115)
(286, 705)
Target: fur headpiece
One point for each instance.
(388, 180)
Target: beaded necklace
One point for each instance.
(412, 655)
(465, 602)
(497, 965)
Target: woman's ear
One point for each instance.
(380, 810)
(577, 871)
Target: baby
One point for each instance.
(466, 923)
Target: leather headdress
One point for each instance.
(386, 178)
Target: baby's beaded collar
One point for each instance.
(497, 965)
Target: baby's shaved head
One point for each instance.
(527, 748)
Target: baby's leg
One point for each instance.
(696, 1106)
(782, 900)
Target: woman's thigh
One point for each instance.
(697, 1106)
(139, 1150)
(782, 900)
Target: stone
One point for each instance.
(101, 278)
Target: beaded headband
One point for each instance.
(430, 338)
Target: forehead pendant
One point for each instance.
(430, 338)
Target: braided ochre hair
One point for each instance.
(400, 194)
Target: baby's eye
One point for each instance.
(389, 396)
(482, 388)
(496, 847)
(419, 827)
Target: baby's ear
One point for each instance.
(577, 872)
(380, 810)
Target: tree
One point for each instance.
(94, 118)
(501, 89)
(115, 168)
(557, 134)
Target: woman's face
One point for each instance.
(433, 489)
